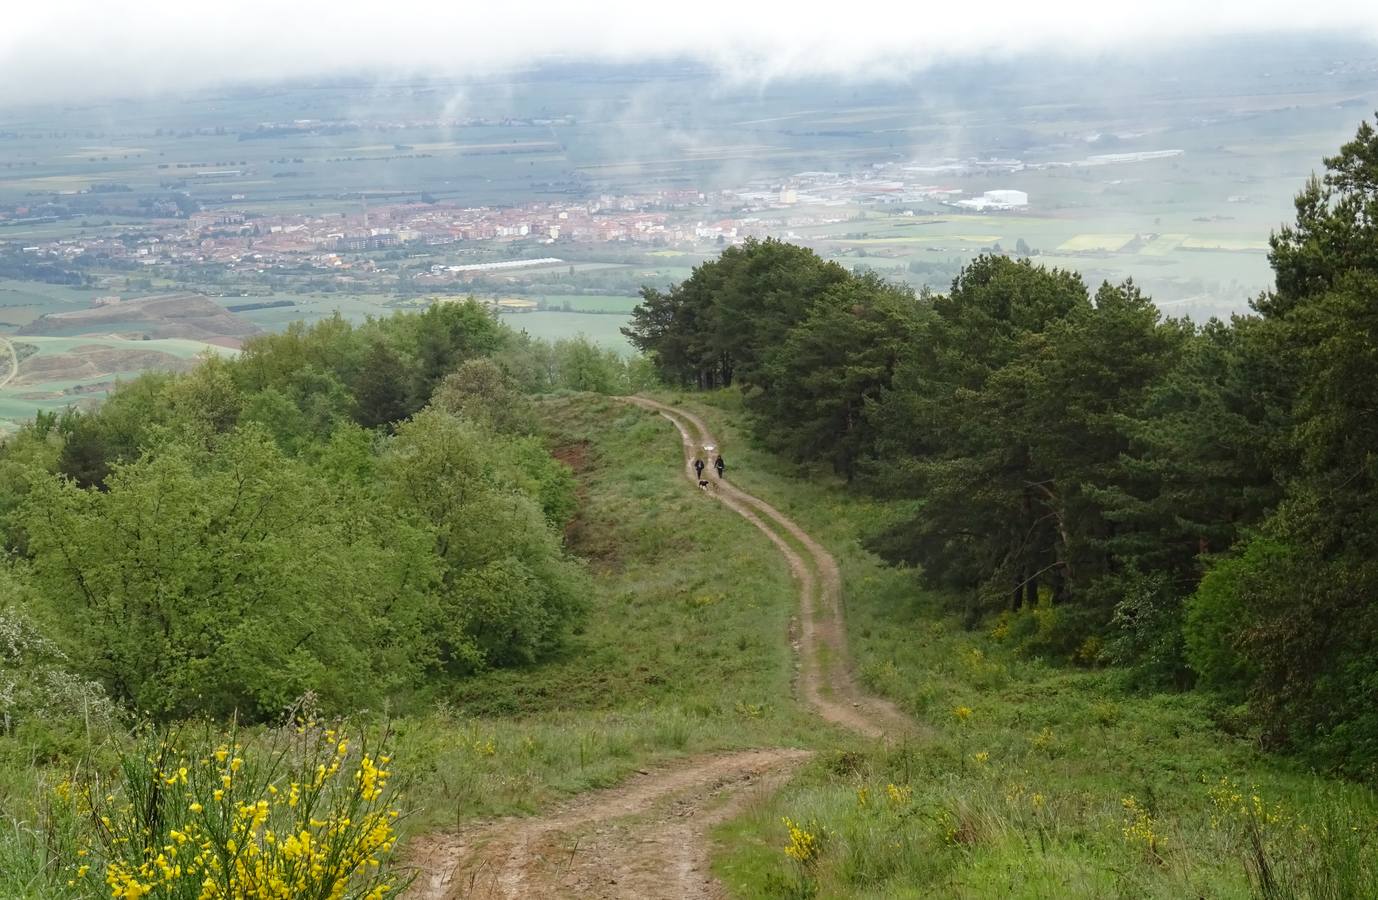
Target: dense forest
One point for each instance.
(1196, 504)
(351, 511)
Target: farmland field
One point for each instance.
(645, 171)
(57, 372)
(588, 304)
(602, 330)
(1107, 242)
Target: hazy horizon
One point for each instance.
(73, 51)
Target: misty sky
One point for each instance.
(84, 49)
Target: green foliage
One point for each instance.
(226, 540)
(829, 369)
(305, 812)
(1303, 640)
(1217, 612)
(1004, 421)
(1077, 456)
(721, 323)
(1147, 632)
(506, 590)
(42, 703)
(482, 392)
(229, 580)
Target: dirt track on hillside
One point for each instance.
(649, 837)
(825, 678)
(645, 838)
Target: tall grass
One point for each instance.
(685, 648)
(1034, 778)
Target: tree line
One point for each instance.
(1195, 503)
(353, 511)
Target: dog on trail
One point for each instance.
(703, 484)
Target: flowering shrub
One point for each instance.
(804, 845)
(304, 815)
(1140, 829)
(38, 691)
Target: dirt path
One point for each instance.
(645, 838)
(14, 362)
(825, 679)
(649, 837)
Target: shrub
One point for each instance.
(301, 813)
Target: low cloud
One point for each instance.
(80, 49)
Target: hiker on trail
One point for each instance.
(698, 468)
(718, 464)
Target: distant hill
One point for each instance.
(186, 315)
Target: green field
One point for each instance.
(1107, 242)
(552, 326)
(18, 402)
(23, 301)
(589, 304)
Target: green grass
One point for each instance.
(603, 330)
(585, 303)
(1025, 797)
(685, 648)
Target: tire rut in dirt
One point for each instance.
(646, 838)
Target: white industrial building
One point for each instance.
(1001, 199)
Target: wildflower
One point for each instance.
(803, 845)
(1139, 827)
(980, 758)
(962, 713)
(899, 796)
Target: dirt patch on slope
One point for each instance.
(188, 315)
(645, 838)
(825, 678)
(649, 837)
(94, 362)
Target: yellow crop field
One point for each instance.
(1163, 244)
(1105, 242)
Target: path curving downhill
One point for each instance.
(650, 836)
(14, 362)
(826, 680)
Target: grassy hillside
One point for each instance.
(1025, 779)
(1030, 780)
(685, 649)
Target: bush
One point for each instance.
(1146, 632)
(304, 812)
(41, 701)
(1217, 615)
